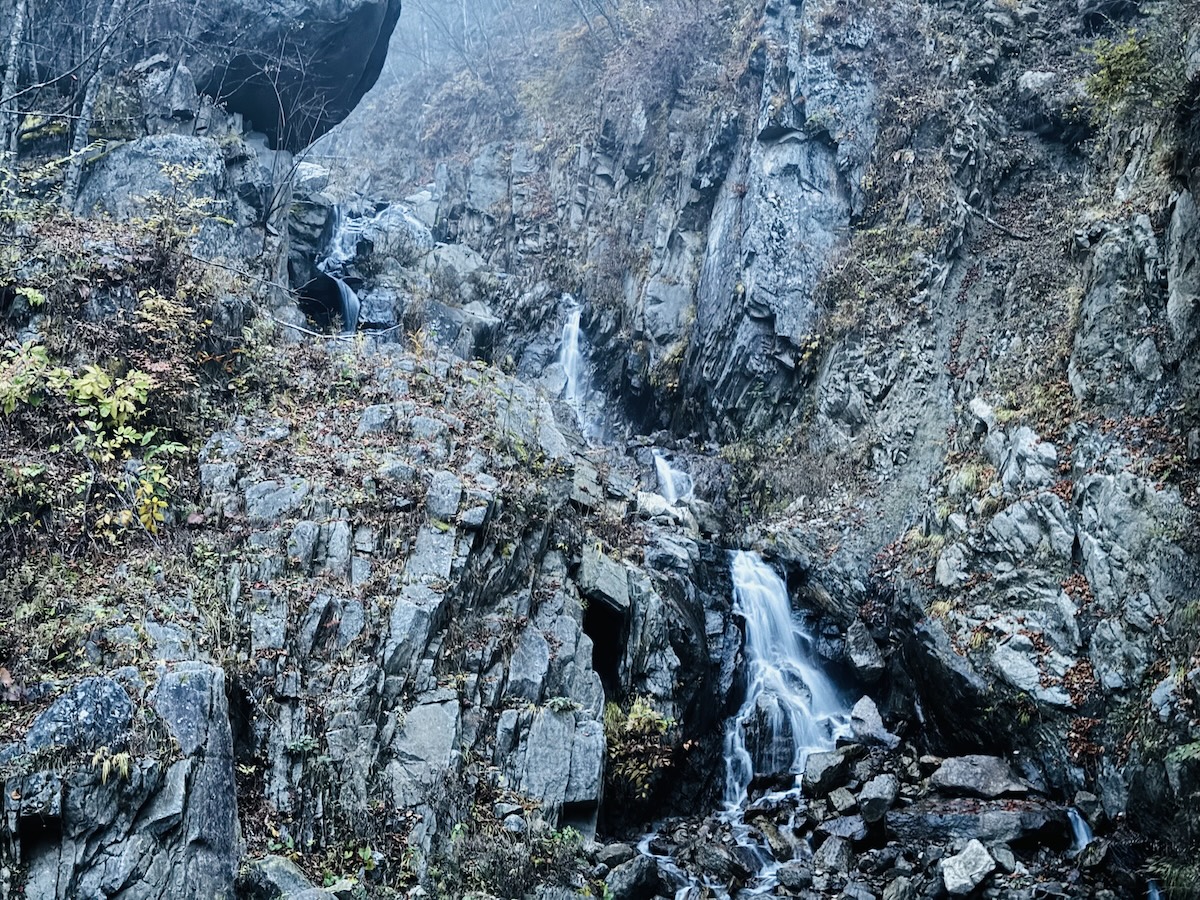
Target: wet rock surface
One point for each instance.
(432, 587)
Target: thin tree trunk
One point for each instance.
(10, 115)
(70, 190)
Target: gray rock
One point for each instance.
(825, 771)
(866, 724)
(94, 713)
(269, 501)
(977, 776)
(409, 628)
(900, 889)
(514, 824)
(795, 875)
(862, 652)
(376, 419)
(1020, 662)
(965, 871)
(302, 544)
(604, 579)
(834, 855)
(271, 878)
(878, 796)
(395, 469)
(1054, 106)
(528, 666)
(124, 183)
(1183, 260)
(635, 880)
(317, 76)
(614, 855)
(445, 494)
(1004, 821)
(338, 540)
(422, 750)
(851, 828)
(842, 801)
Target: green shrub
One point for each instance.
(1141, 69)
(640, 748)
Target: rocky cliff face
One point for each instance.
(293, 69)
(909, 291)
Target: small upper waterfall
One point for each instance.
(1081, 832)
(673, 484)
(574, 366)
(791, 708)
(343, 248)
(571, 358)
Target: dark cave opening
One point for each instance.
(606, 627)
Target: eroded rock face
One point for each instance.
(295, 68)
(167, 824)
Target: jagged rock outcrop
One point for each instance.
(99, 803)
(294, 68)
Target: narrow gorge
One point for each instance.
(678, 450)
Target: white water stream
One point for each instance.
(792, 708)
(343, 247)
(673, 484)
(1081, 832)
(578, 381)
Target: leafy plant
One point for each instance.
(1142, 68)
(27, 377)
(640, 747)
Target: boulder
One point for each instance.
(965, 871)
(604, 580)
(977, 776)
(271, 878)
(825, 771)
(1054, 106)
(295, 68)
(834, 855)
(850, 828)
(1005, 821)
(878, 796)
(613, 855)
(866, 724)
(862, 652)
(635, 880)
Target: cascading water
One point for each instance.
(343, 248)
(574, 367)
(1081, 832)
(791, 708)
(674, 485)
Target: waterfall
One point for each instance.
(343, 248)
(343, 241)
(571, 359)
(791, 708)
(673, 484)
(1081, 832)
(349, 301)
(1153, 891)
